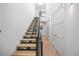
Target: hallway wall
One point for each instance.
(72, 29)
(64, 28)
(56, 26)
(15, 18)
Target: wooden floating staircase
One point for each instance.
(28, 41)
(28, 45)
(29, 36)
(30, 33)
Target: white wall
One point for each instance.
(56, 26)
(14, 20)
(72, 29)
(64, 28)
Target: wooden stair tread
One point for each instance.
(30, 33)
(24, 53)
(31, 30)
(29, 39)
(32, 27)
(29, 36)
(27, 45)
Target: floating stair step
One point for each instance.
(28, 41)
(31, 30)
(31, 27)
(24, 53)
(29, 36)
(30, 33)
(26, 47)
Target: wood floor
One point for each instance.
(24, 53)
(48, 48)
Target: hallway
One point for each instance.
(48, 48)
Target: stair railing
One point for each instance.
(39, 44)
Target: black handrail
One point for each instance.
(39, 45)
(36, 28)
